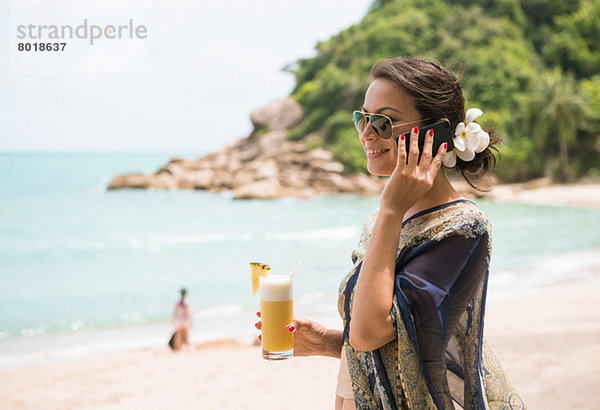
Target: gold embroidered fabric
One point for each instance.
(393, 376)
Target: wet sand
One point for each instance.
(548, 342)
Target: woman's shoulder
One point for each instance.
(368, 227)
(464, 218)
(461, 217)
(365, 235)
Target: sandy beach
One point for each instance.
(582, 195)
(548, 342)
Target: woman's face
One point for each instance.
(385, 97)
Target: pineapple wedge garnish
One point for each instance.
(258, 269)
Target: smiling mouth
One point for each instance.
(377, 151)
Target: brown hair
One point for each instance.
(437, 93)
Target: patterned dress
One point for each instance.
(439, 358)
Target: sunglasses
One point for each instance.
(381, 123)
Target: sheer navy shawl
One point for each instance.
(442, 267)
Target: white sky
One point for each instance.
(189, 87)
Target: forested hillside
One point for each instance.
(532, 66)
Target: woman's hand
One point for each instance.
(412, 177)
(312, 338)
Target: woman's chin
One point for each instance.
(379, 170)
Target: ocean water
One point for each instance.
(85, 270)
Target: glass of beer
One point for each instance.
(277, 311)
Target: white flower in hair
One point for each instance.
(469, 139)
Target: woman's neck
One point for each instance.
(440, 193)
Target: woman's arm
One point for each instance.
(371, 322)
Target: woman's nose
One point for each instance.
(369, 134)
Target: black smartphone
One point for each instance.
(441, 133)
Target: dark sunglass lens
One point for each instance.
(359, 121)
(382, 126)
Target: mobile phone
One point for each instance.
(441, 133)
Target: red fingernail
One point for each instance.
(258, 313)
(445, 145)
(416, 130)
(290, 328)
(402, 137)
(430, 132)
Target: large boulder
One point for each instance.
(162, 181)
(202, 179)
(330, 182)
(272, 144)
(329, 167)
(140, 181)
(279, 114)
(266, 189)
(366, 186)
(294, 178)
(247, 150)
(221, 181)
(319, 154)
(267, 170)
(243, 177)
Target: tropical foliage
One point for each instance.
(532, 66)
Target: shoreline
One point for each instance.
(30, 352)
(579, 195)
(545, 352)
(66, 347)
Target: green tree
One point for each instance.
(488, 52)
(540, 16)
(587, 150)
(504, 53)
(573, 43)
(553, 115)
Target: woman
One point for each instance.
(183, 321)
(413, 304)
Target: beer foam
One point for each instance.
(276, 288)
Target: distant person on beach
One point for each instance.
(413, 304)
(183, 321)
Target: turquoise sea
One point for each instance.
(86, 270)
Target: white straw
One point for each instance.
(295, 269)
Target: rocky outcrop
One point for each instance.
(280, 114)
(264, 165)
(156, 181)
